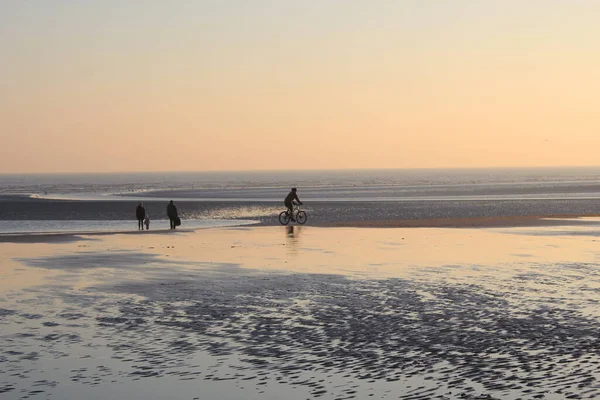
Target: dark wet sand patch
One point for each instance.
(369, 331)
(312, 331)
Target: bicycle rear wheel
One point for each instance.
(284, 218)
(301, 217)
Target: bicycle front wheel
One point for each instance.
(301, 217)
(284, 218)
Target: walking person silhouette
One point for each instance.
(140, 214)
(172, 214)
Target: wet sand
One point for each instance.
(304, 312)
(485, 222)
(45, 237)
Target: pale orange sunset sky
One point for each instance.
(111, 85)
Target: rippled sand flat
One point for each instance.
(304, 312)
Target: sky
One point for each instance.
(112, 85)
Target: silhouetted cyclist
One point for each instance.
(288, 202)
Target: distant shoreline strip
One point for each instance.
(476, 222)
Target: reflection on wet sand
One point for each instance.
(293, 235)
(249, 313)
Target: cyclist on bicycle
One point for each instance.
(289, 202)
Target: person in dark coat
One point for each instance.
(172, 213)
(140, 214)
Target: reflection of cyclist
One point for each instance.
(288, 202)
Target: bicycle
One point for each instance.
(284, 216)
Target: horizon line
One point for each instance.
(302, 170)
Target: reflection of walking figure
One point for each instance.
(147, 221)
(140, 214)
(172, 214)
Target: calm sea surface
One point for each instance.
(321, 185)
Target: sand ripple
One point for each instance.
(422, 340)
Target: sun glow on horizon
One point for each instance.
(103, 86)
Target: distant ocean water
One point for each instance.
(330, 196)
(321, 185)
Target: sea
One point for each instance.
(32, 203)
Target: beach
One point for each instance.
(254, 312)
(327, 200)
